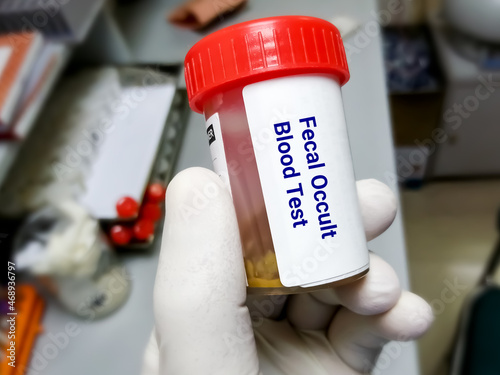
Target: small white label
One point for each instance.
(216, 144)
(307, 178)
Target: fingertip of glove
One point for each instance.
(185, 180)
(378, 292)
(196, 191)
(420, 314)
(409, 319)
(379, 206)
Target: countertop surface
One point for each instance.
(114, 345)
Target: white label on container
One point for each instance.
(307, 178)
(216, 144)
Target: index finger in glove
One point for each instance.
(202, 323)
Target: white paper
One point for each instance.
(128, 151)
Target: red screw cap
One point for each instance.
(262, 49)
(127, 207)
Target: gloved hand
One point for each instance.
(203, 325)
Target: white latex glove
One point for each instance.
(204, 327)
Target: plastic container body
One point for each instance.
(270, 90)
(323, 220)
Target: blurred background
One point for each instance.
(94, 122)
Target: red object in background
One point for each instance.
(151, 211)
(120, 234)
(155, 193)
(143, 229)
(127, 207)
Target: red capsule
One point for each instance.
(120, 234)
(151, 211)
(155, 193)
(143, 229)
(127, 207)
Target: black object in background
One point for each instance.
(476, 351)
(8, 230)
(411, 63)
(415, 83)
